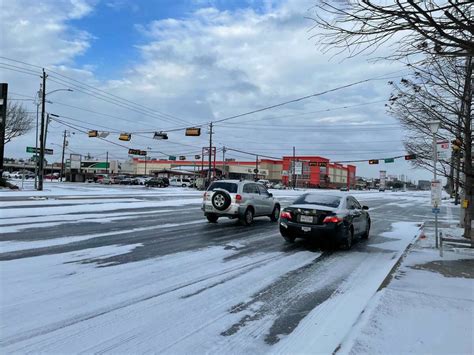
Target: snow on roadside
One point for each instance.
(421, 310)
(323, 329)
(130, 307)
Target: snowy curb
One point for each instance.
(349, 340)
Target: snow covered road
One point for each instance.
(147, 274)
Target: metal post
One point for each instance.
(223, 163)
(146, 158)
(209, 176)
(256, 168)
(107, 162)
(42, 141)
(61, 174)
(435, 160)
(293, 170)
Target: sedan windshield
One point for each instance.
(322, 200)
(228, 186)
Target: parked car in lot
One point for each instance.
(126, 181)
(183, 182)
(53, 176)
(334, 219)
(158, 182)
(344, 188)
(239, 199)
(139, 180)
(265, 183)
(107, 180)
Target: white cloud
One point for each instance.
(211, 64)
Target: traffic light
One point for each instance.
(197, 157)
(134, 152)
(125, 137)
(160, 135)
(456, 144)
(182, 157)
(410, 157)
(193, 132)
(373, 161)
(93, 134)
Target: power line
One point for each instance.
(301, 98)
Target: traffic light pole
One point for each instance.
(209, 175)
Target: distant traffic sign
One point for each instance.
(389, 160)
(435, 210)
(37, 150)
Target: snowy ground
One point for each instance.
(130, 269)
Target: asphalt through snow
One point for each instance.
(281, 305)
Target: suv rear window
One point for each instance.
(322, 200)
(228, 186)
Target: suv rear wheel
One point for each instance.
(287, 236)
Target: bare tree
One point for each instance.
(434, 91)
(18, 121)
(424, 29)
(436, 26)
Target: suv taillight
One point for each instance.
(238, 198)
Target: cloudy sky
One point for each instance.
(143, 66)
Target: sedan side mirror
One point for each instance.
(365, 207)
(270, 194)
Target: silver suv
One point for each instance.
(239, 199)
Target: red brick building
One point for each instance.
(317, 171)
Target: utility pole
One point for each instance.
(36, 138)
(3, 119)
(293, 170)
(209, 176)
(223, 163)
(107, 162)
(146, 159)
(62, 157)
(42, 141)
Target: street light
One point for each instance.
(39, 186)
(434, 126)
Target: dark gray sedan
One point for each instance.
(331, 218)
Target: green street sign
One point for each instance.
(171, 157)
(37, 150)
(389, 160)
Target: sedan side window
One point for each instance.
(357, 204)
(350, 204)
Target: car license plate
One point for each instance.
(306, 219)
(306, 229)
(209, 208)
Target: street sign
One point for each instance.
(134, 151)
(171, 157)
(160, 135)
(435, 210)
(389, 160)
(37, 150)
(436, 193)
(318, 163)
(299, 168)
(443, 149)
